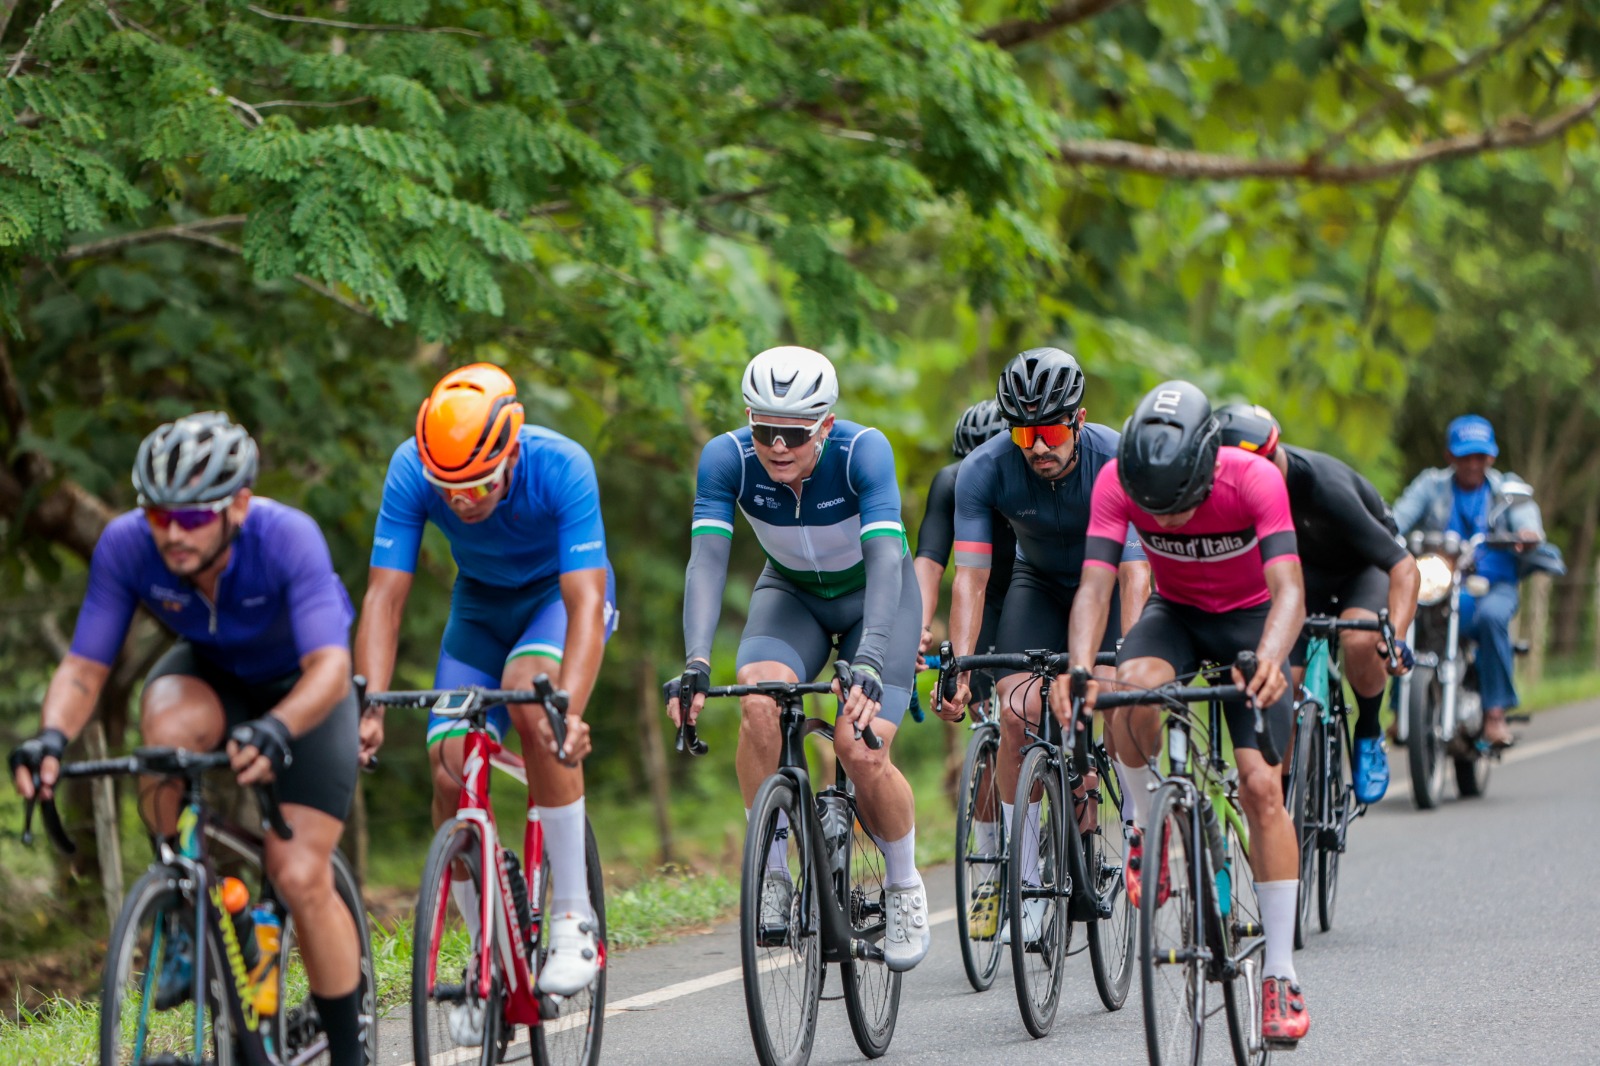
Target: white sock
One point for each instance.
(564, 844)
(468, 903)
(1278, 903)
(986, 840)
(778, 850)
(899, 860)
(1135, 782)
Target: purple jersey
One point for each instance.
(277, 601)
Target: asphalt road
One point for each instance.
(1466, 935)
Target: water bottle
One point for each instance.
(1218, 843)
(837, 824)
(264, 977)
(236, 898)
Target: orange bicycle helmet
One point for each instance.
(468, 424)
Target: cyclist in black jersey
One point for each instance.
(1353, 565)
(936, 536)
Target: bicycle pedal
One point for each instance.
(1282, 1045)
(549, 1009)
(447, 993)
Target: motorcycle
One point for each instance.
(1438, 707)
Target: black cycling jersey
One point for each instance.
(1340, 520)
(937, 534)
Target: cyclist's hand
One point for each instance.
(922, 661)
(579, 742)
(1404, 656)
(40, 754)
(1266, 687)
(951, 710)
(259, 750)
(925, 643)
(371, 735)
(698, 674)
(866, 697)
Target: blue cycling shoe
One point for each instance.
(177, 969)
(1371, 769)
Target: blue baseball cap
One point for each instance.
(1472, 435)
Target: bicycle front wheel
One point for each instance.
(451, 1021)
(871, 989)
(1338, 802)
(154, 919)
(1111, 938)
(297, 1031)
(779, 941)
(569, 1034)
(1038, 889)
(1242, 995)
(1172, 972)
(1305, 807)
(980, 859)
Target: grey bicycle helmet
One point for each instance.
(1040, 387)
(200, 458)
(977, 424)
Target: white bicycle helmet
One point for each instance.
(790, 382)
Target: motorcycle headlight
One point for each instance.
(1436, 573)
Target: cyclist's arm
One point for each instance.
(1091, 606)
(584, 593)
(1288, 612)
(1412, 506)
(396, 540)
(324, 680)
(378, 634)
(319, 615)
(68, 704)
(967, 598)
(710, 544)
(883, 544)
(1133, 580)
(574, 495)
(1404, 581)
(929, 575)
(974, 549)
(1109, 541)
(935, 536)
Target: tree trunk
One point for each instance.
(1569, 614)
(355, 842)
(107, 824)
(653, 754)
(1534, 625)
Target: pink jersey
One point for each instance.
(1215, 561)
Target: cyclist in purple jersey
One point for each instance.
(534, 595)
(1216, 525)
(262, 659)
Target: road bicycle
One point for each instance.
(494, 980)
(218, 1023)
(1321, 798)
(1079, 847)
(1200, 922)
(812, 891)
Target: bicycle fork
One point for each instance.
(839, 942)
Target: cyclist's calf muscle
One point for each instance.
(302, 873)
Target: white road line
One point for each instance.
(1545, 747)
(656, 997)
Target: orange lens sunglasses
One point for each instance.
(1053, 436)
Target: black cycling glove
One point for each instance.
(49, 743)
(866, 678)
(1403, 652)
(269, 736)
(696, 678)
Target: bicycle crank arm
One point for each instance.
(1183, 957)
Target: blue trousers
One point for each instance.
(1487, 620)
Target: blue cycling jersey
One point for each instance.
(277, 600)
(547, 524)
(812, 536)
(1050, 518)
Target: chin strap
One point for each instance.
(230, 533)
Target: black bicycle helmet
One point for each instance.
(1249, 426)
(977, 424)
(1040, 387)
(1167, 459)
(200, 458)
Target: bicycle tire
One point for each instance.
(1339, 802)
(779, 794)
(441, 951)
(590, 1005)
(1037, 964)
(980, 957)
(1424, 746)
(1241, 996)
(1112, 940)
(152, 898)
(349, 893)
(871, 989)
(1303, 800)
(1169, 927)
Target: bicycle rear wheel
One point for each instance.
(1242, 995)
(980, 834)
(1111, 939)
(131, 1028)
(1305, 803)
(1171, 933)
(871, 989)
(447, 1012)
(569, 1034)
(779, 941)
(296, 1028)
(1338, 802)
(1037, 892)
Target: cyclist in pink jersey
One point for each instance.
(1216, 526)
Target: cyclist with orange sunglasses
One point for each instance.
(534, 594)
(1039, 478)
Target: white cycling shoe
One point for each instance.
(1033, 915)
(574, 957)
(906, 936)
(466, 1023)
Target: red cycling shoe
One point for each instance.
(1131, 872)
(1284, 1021)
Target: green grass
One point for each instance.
(1561, 686)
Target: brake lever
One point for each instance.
(689, 742)
(841, 671)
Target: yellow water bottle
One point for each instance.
(264, 978)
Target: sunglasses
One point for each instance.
(767, 434)
(189, 518)
(471, 491)
(1053, 436)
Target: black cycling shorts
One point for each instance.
(801, 630)
(983, 680)
(1332, 594)
(1185, 636)
(325, 761)
(1037, 609)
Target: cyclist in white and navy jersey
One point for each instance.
(822, 496)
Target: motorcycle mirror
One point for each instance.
(1516, 490)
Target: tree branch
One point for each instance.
(149, 236)
(1179, 163)
(22, 53)
(1021, 31)
(309, 282)
(378, 27)
(315, 103)
(1375, 263)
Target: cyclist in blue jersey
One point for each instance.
(823, 499)
(1038, 480)
(534, 594)
(262, 660)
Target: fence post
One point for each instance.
(107, 826)
(1536, 625)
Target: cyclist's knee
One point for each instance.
(860, 761)
(447, 782)
(1261, 787)
(1360, 642)
(301, 875)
